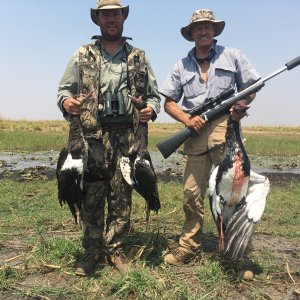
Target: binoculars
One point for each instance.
(114, 104)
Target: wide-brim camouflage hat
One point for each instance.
(108, 4)
(202, 15)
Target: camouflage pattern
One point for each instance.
(202, 15)
(92, 213)
(104, 182)
(137, 72)
(137, 77)
(89, 76)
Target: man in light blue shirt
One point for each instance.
(205, 72)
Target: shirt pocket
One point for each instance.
(225, 77)
(191, 85)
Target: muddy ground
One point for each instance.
(284, 284)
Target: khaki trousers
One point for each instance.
(195, 178)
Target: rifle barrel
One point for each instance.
(211, 114)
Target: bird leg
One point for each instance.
(147, 211)
(77, 216)
(221, 235)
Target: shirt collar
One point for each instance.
(192, 52)
(125, 44)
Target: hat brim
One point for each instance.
(94, 12)
(187, 34)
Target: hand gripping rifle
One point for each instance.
(215, 107)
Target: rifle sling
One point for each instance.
(215, 148)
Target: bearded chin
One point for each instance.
(110, 37)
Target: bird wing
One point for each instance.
(241, 226)
(126, 170)
(141, 176)
(212, 195)
(146, 183)
(238, 234)
(70, 181)
(258, 191)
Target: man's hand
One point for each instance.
(195, 123)
(72, 106)
(239, 110)
(146, 112)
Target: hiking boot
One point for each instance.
(179, 256)
(119, 261)
(87, 264)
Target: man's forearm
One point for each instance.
(172, 109)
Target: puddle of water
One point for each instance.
(173, 164)
(20, 161)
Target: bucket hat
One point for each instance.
(202, 15)
(108, 4)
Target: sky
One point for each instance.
(38, 38)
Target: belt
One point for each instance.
(116, 126)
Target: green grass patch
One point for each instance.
(281, 216)
(280, 145)
(31, 141)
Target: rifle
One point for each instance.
(211, 103)
(213, 111)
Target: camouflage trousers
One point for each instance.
(103, 183)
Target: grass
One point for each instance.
(52, 135)
(283, 206)
(30, 141)
(39, 244)
(48, 243)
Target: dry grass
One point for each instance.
(45, 126)
(160, 129)
(169, 128)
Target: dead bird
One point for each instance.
(71, 165)
(237, 195)
(137, 168)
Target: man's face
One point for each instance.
(111, 23)
(203, 33)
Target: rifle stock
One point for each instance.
(173, 142)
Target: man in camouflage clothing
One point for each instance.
(104, 74)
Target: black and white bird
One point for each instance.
(71, 165)
(137, 168)
(237, 195)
